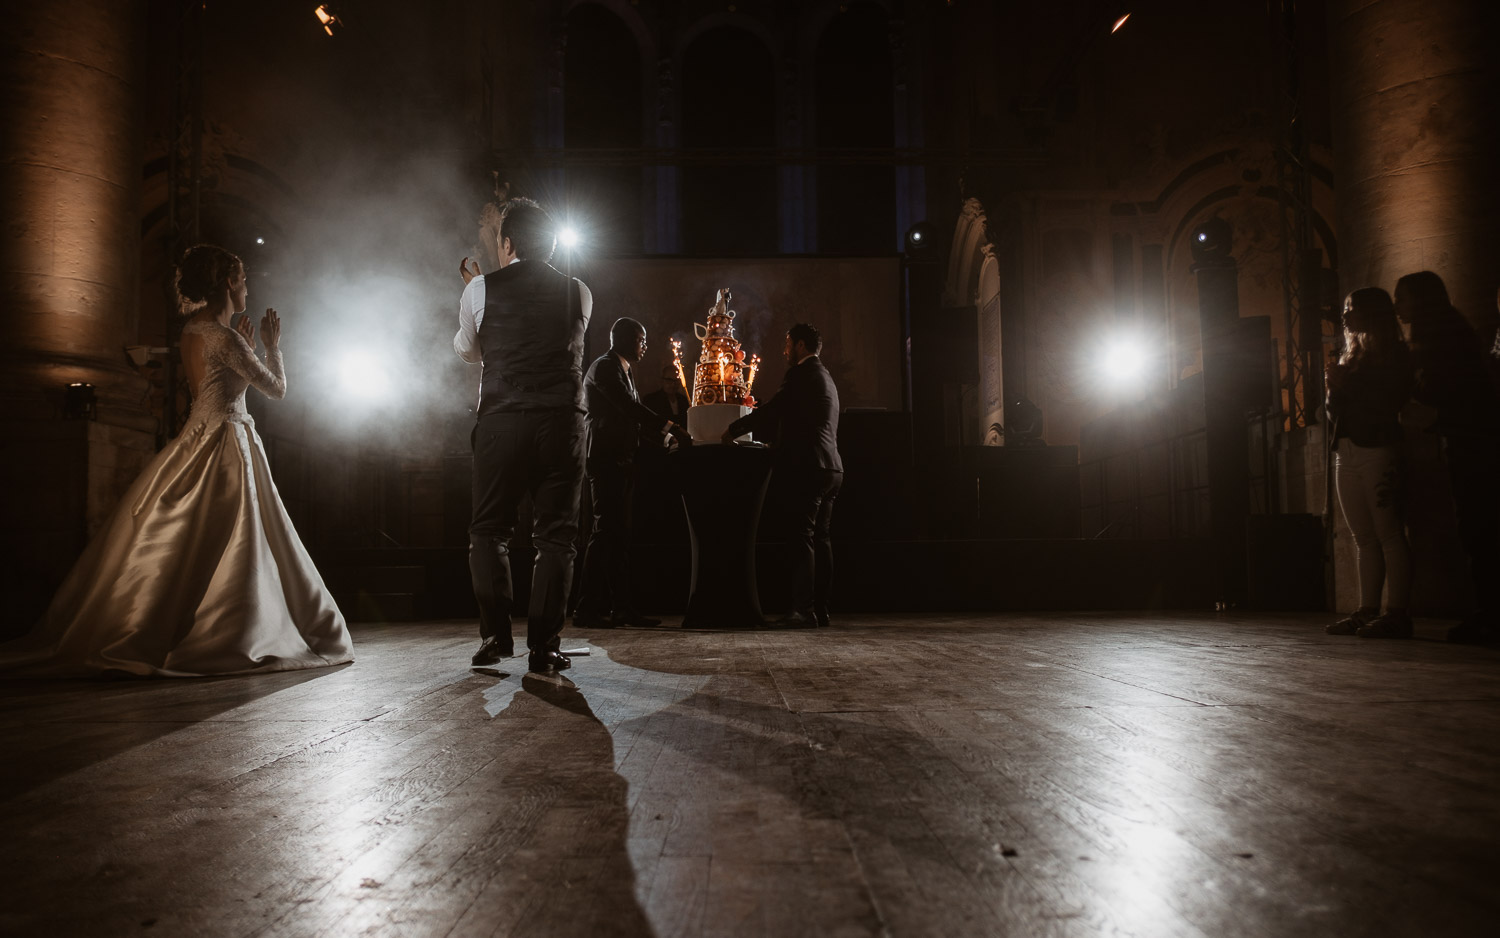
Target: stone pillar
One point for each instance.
(1416, 157)
(70, 193)
(1416, 148)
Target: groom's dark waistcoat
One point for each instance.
(531, 340)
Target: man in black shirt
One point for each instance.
(806, 458)
(616, 419)
(524, 323)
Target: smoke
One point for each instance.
(369, 304)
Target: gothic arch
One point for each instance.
(645, 44)
(966, 255)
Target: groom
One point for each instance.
(524, 324)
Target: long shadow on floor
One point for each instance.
(92, 721)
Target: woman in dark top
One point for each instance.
(1455, 377)
(1367, 387)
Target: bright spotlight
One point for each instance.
(568, 237)
(919, 239)
(260, 240)
(1123, 362)
(362, 376)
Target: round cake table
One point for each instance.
(723, 487)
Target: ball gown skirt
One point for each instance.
(199, 571)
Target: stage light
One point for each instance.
(1118, 23)
(1123, 361)
(327, 18)
(260, 240)
(919, 238)
(567, 236)
(363, 376)
(1211, 243)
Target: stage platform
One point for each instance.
(914, 775)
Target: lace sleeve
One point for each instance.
(268, 378)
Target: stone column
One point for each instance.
(70, 193)
(1416, 149)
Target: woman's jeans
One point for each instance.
(1370, 482)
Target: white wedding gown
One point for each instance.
(199, 570)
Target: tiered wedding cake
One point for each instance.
(721, 390)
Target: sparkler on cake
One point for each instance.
(721, 390)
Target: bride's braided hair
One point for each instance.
(203, 270)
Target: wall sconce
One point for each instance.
(79, 402)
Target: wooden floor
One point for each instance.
(903, 776)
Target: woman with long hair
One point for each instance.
(199, 570)
(1367, 387)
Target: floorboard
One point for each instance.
(1047, 775)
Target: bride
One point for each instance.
(199, 570)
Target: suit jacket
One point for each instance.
(661, 402)
(613, 412)
(805, 410)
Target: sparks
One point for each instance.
(677, 360)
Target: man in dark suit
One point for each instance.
(670, 401)
(616, 419)
(805, 413)
(524, 325)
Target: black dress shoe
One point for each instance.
(584, 620)
(795, 620)
(543, 662)
(635, 621)
(492, 650)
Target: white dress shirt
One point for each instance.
(471, 315)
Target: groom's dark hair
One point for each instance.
(532, 234)
(808, 335)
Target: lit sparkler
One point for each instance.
(754, 367)
(677, 360)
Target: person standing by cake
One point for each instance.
(524, 325)
(805, 413)
(670, 401)
(615, 418)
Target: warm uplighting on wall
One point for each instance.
(327, 18)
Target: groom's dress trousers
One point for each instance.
(528, 441)
(616, 421)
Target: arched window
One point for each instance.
(728, 107)
(602, 109)
(855, 108)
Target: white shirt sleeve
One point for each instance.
(470, 314)
(585, 300)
